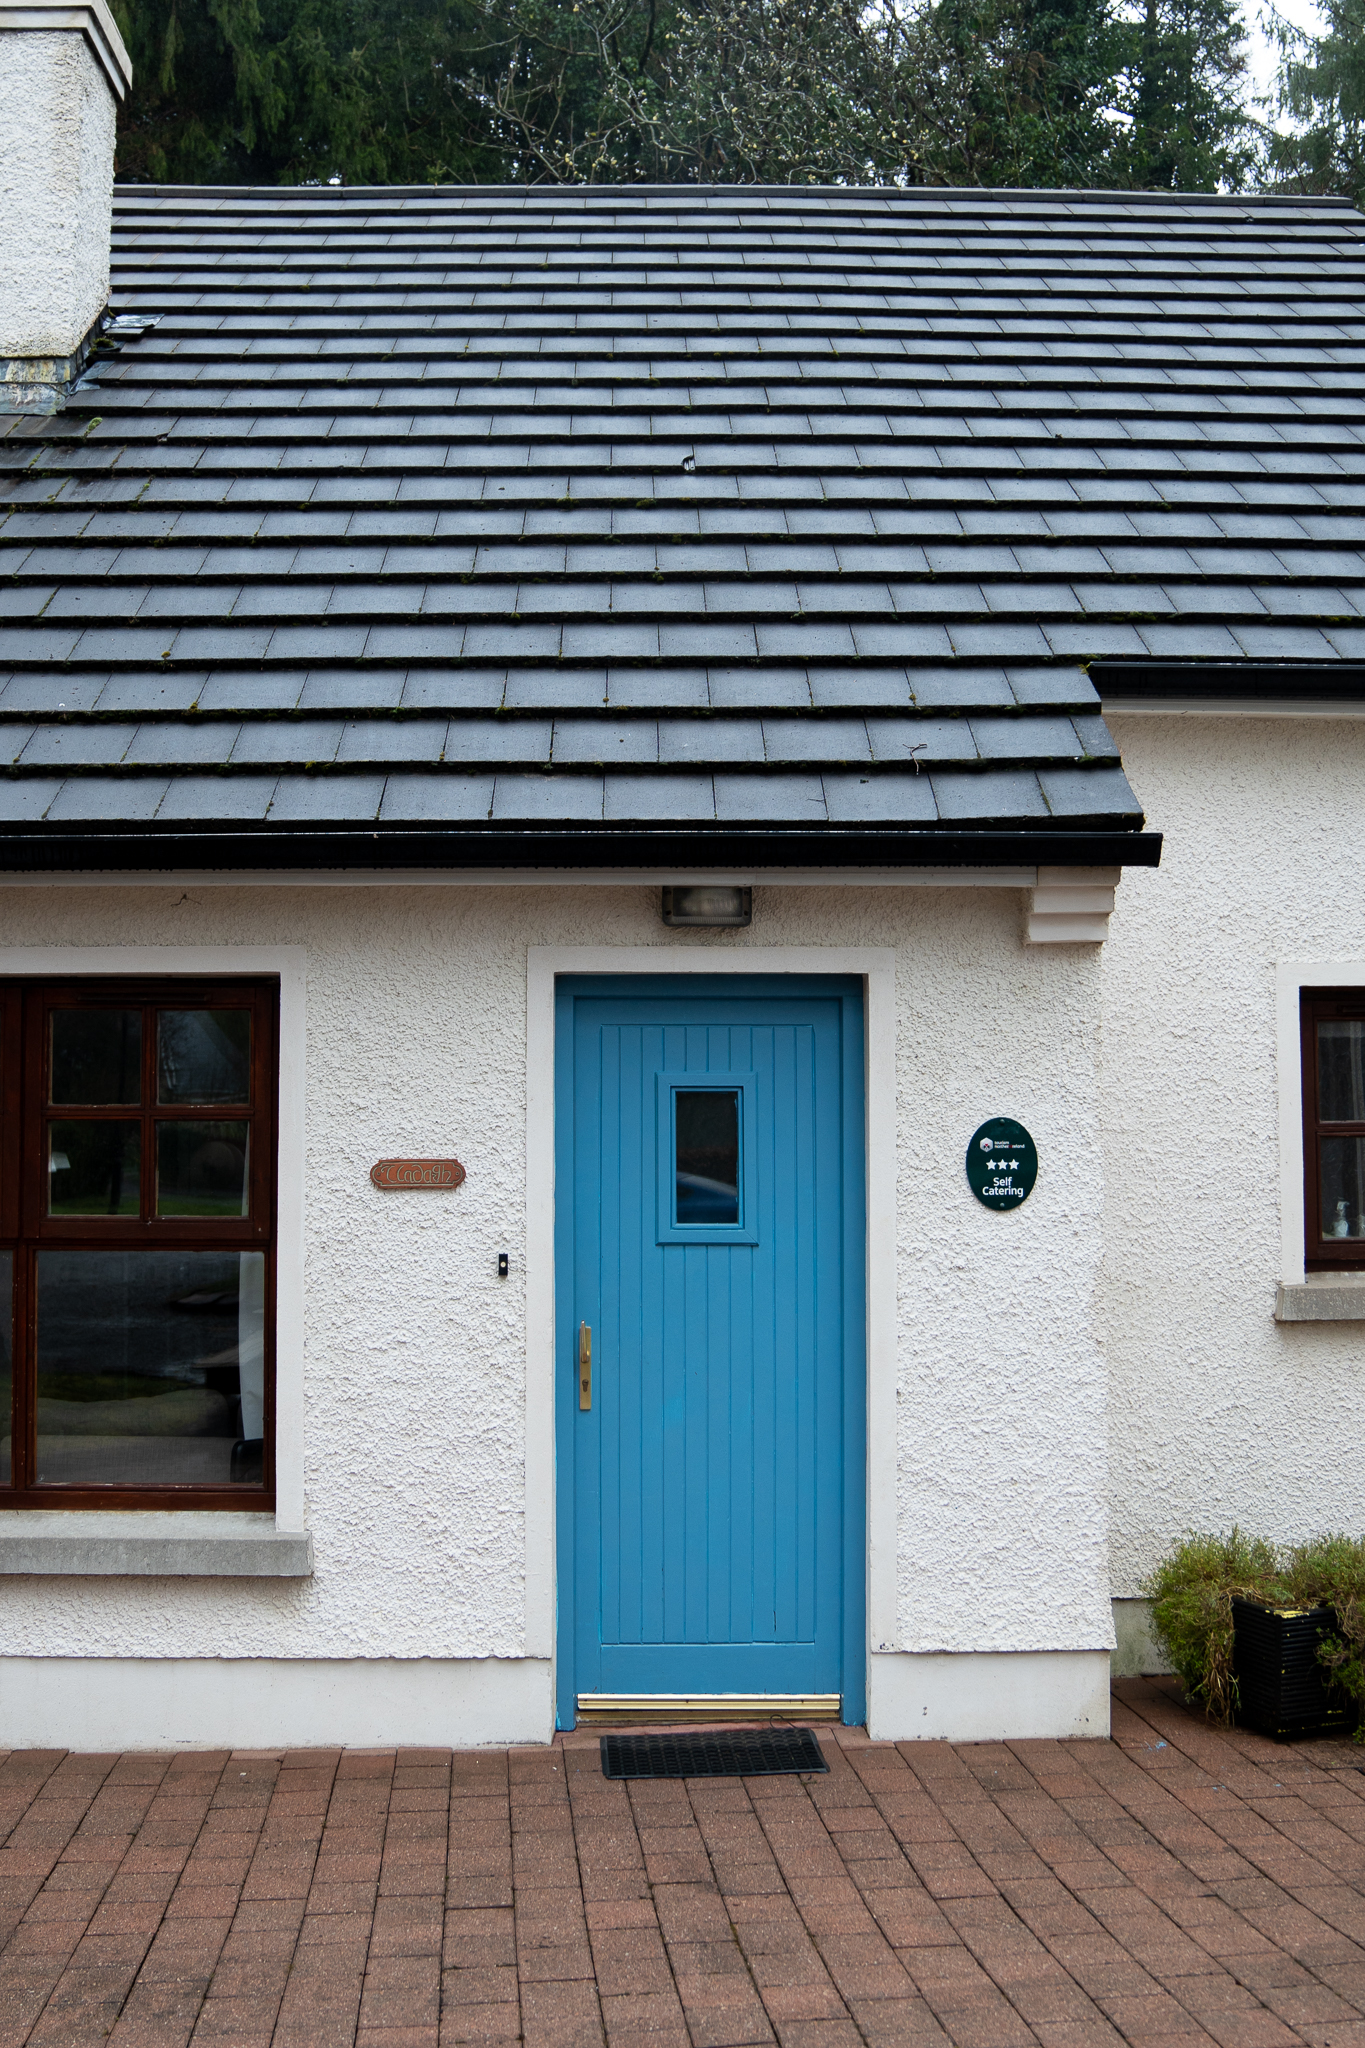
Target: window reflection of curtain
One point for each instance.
(251, 1343)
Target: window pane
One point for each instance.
(1343, 1187)
(6, 1361)
(150, 1367)
(706, 1154)
(94, 1169)
(203, 1056)
(1341, 1071)
(96, 1056)
(201, 1169)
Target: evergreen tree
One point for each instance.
(1321, 86)
(1011, 92)
(953, 92)
(1191, 130)
(287, 91)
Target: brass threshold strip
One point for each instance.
(627, 1709)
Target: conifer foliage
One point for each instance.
(290, 91)
(1322, 91)
(1122, 93)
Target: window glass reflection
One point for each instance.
(706, 1154)
(6, 1361)
(203, 1056)
(1341, 1071)
(1343, 1187)
(96, 1056)
(201, 1169)
(94, 1169)
(150, 1367)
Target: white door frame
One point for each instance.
(876, 968)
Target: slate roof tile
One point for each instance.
(659, 799)
(114, 800)
(296, 740)
(741, 797)
(1076, 792)
(449, 797)
(946, 450)
(905, 799)
(416, 739)
(541, 799)
(608, 742)
(326, 800)
(76, 746)
(713, 740)
(25, 803)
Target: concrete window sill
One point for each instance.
(1326, 1298)
(179, 1545)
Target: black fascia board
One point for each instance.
(1133, 682)
(410, 847)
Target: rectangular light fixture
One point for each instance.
(707, 903)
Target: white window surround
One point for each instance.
(192, 1541)
(1321, 1297)
(875, 966)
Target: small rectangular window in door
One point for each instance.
(707, 1192)
(706, 1155)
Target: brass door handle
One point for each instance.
(584, 1366)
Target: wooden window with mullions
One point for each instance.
(1332, 1036)
(137, 1242)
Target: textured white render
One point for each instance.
(56, 187)
(1218, 1413)
(414, 1366)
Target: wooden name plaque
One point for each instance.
(417, 1173)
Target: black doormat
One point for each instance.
(760, 1753)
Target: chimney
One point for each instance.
(63, 72)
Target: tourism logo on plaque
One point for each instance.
(1002, 1164)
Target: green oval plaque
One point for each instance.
(1002, 1163)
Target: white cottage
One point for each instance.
(579, 1139)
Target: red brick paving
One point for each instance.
(1176, 1886)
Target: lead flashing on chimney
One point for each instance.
(91, 18)
(42, 384)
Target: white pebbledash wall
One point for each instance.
(63, 69)
(1218, 1413)
(426, 1615)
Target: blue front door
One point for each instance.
(709, 1214)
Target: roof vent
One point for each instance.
(63, 71)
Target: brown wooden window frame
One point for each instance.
(26, 1228)
(1317, 1005)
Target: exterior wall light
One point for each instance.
(708, 903)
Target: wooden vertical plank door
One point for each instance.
(710, 1234)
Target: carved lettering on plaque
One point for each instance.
(417, 1173)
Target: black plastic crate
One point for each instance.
(1282, 1688)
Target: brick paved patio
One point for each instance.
(1170, 1887)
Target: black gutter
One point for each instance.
(1136, 682)
(143, 850)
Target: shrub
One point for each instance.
(1191, 1594)
(1330, 1572)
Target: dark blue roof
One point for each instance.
(783, 523)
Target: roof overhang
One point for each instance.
(149, 851)
(1294, 684)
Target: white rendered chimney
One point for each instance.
(63, 71)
